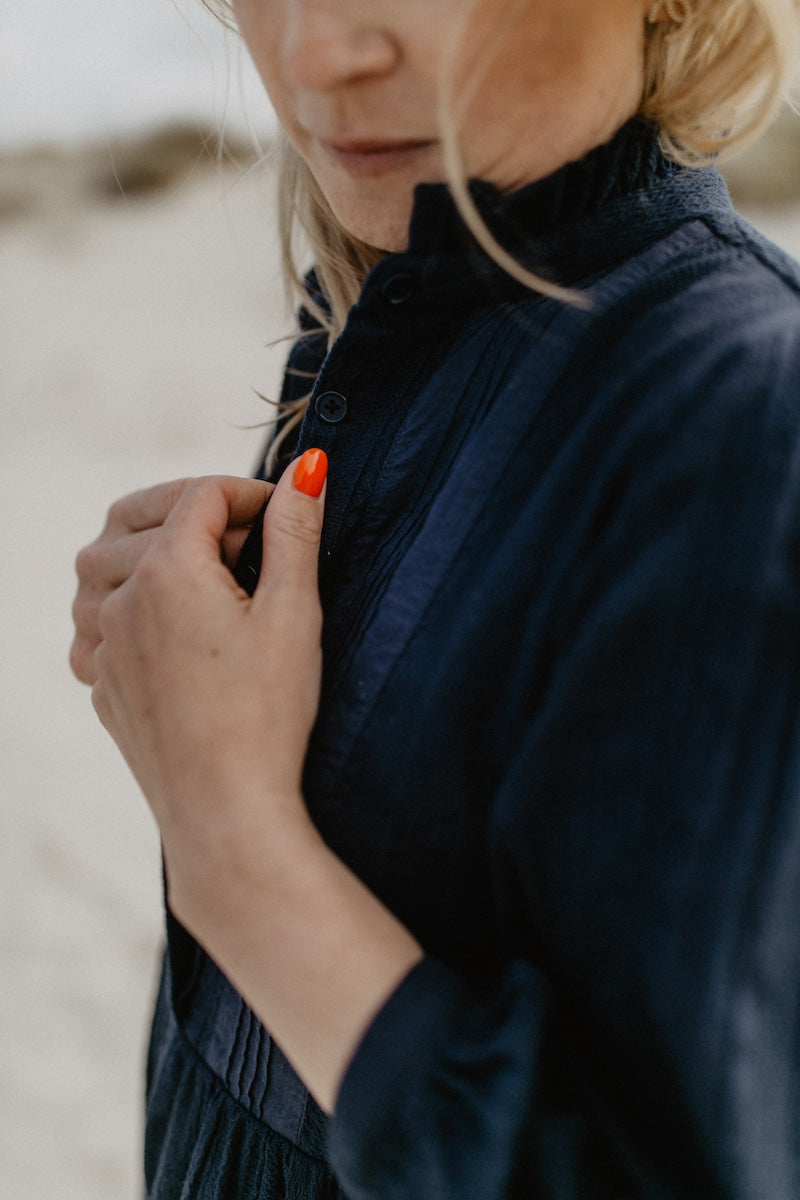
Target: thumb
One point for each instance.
(293, 524)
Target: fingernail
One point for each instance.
(310, 472)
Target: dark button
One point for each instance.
(331, 407)
(398, 288)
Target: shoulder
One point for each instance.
(692, 344)
(708, 330)
(710, 274)
(678, 405)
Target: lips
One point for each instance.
(372, 157)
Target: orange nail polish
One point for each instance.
(310, 472)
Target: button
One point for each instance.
(398, 288)
(331, 407)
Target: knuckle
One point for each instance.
(174, 489)
(194, 493)
(81, 661)
(297, 523)
(146, 507)
(118, 512)
(202, 485)
(87, 562)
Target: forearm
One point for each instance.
(218, 751)
(311, 949)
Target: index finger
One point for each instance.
(214, 504)
(147, 508)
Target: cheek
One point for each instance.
(561, 83)
(262, 37)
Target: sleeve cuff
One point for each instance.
(377, 1083)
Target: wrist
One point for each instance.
(217, 876)
(313, 952)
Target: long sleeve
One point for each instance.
(558, 729)
(645, 844)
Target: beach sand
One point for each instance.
(132, 334)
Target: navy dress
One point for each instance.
(559, 733)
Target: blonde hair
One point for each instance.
(715, 73)
(714, 81)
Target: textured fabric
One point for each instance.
(558, 733)
(223, 1118)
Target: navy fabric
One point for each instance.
(559, 733)
(226, 1115)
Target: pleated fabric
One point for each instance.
(227, 1119)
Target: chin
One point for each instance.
(384, 229)
(388, 239)
(389, 244)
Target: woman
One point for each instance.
(504, 854)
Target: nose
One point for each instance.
(328, 43)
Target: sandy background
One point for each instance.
(132, 332)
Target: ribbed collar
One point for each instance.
(631, 161)
(577, 222)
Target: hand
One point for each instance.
(132, 526)
(209, 694)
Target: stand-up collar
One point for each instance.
(579, 221)
(630, 162)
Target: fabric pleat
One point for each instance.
(201, 1143)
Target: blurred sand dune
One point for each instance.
(139, 287)
(50, 178)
